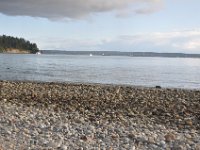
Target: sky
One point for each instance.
(105, 25)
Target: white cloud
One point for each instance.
(187, 41)
(67, 44)
(191, 45)
(74, 9)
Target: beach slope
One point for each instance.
(92, 116)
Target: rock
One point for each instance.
(84, 138)
(117, 123)
(189, 122)
(115, 136)
(63, 147)
(158, 87)
(9, 132)
(169, 137)
(133, 148)
(26, 131)
(131, 136)
(151, 140)
(44, 141)
(188, 136)
(163, 144)
(180, 147)
(197, 146)
(42, 126)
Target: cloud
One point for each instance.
(74, 9)
(191, 45)
(187, 41)
(69, 44)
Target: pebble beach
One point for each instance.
(67, 116)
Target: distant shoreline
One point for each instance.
(118, 53)
(107, 53)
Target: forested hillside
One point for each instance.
(8, 43)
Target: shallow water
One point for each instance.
(140, 71)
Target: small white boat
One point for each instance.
(38, 53)
(90, 54)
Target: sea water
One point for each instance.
(137, 71)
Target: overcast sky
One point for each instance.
(122, 25)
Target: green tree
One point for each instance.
(8, 42)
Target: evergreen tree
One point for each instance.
(8, 42)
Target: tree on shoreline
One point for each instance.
(9, 42)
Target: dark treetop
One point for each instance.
(8, 42)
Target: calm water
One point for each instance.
(166, 72)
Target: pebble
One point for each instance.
(169, 137)
(162, 143)
(197, 146)
(151, 140)
(189, 122)
(63, 147)
(153, 120)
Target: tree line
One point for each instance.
(9, 42)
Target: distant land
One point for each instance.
(118, 53)
(9, 44)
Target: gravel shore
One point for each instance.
(92, 116)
